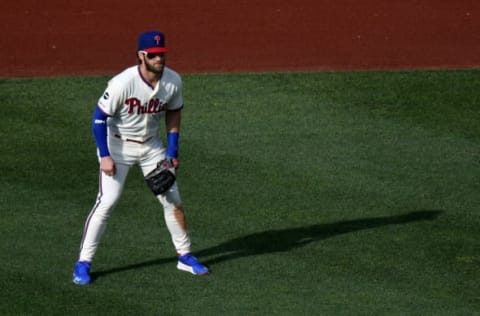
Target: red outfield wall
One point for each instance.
(57, 37)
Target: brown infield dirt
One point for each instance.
(98, 37)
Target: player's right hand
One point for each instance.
(107, 166)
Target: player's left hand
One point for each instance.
(175, 162)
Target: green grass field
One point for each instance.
(351, 193)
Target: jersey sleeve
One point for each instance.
(176, 101)
(111, 99)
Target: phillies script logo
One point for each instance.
(153, 106)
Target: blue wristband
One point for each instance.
(172, 145)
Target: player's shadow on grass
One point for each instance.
(287, 239)
(281, 240)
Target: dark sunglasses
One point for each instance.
(153, 55)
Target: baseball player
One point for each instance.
(125, 127)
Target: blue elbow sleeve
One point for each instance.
(99, 127)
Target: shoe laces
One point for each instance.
(189, 259)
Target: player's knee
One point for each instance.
(172, 208)
(107, 202)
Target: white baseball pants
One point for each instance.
(126, 154)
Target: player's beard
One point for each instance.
(155, 67)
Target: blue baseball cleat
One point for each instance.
(191, 264)
(81, 273)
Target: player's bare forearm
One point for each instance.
(172, 121)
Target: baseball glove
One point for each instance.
(160, 179)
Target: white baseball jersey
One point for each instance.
(134, 106)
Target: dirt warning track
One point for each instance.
(55, 37)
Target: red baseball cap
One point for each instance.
(152, 42)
